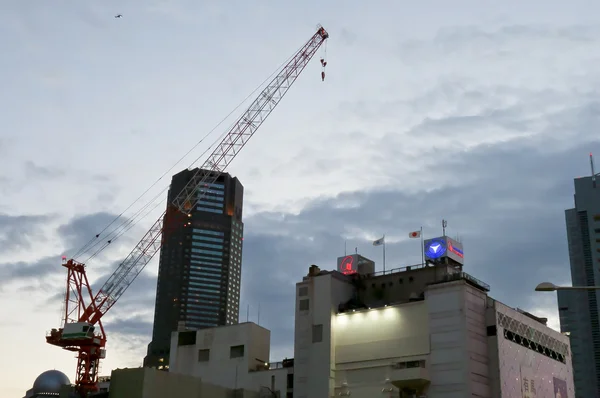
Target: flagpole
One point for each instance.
(422, 249)
(384, 253)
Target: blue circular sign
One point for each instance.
(435, 248)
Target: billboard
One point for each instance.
(528, 383)
(355, 263)
(560, 388)
(443, 247)
(347, 265)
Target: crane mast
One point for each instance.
(78, 332)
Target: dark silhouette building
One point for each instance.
(200, 264)
(579, 310)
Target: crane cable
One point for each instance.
(130, 221)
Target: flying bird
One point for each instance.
(119, 16)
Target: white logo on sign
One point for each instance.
(434, 248)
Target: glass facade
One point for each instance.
(235, 271)
(213, 200)
(206, 277)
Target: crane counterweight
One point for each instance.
(82, 330)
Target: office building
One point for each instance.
(200, 263)
(578, 310)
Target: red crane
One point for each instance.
(82, 331)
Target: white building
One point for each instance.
(233, 356)
(427, 331)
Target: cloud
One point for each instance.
(485, 127)
(77, 236)
(28, 271)
(83, 229)
(134, 326)
(509, 212)
(20, 232)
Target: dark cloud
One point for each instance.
(33, 272)
(19, 232)
(509, 213)
(81, 230)
(78, 233)
(134, 326)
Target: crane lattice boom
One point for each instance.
(91, 351)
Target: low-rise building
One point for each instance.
(234, 357)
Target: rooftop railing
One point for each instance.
(460, 275)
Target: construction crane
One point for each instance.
(82, 330)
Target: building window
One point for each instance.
(186, 338)
(317, 333)
(303, 305)
(236, 351)
(303, 291)
(597, 217)
(203, 355)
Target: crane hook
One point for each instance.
(323, 65)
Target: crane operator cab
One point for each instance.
(78, 331)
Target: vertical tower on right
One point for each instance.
(579, 310)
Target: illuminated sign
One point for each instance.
(444, 247)
(346, 265)
(453, 249)
(355, 264)
(435, 248)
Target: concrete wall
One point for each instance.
(368, 343)
(459, 354)
(152, 383)
(391, 332)
(314, 369)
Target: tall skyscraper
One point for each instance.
(199, 270)
(578, 310)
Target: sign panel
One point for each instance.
(348, 265)
(560, 388)
(444, 246)
(528, 383)
(455, 250)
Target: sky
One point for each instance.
(480, 113)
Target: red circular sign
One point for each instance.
(347, 265)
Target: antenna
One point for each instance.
(248, 313)
(594, 175)
(444, 225)
(258, 320)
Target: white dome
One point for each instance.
(50, 381)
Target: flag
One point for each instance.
(379, 242)
(414, 234)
